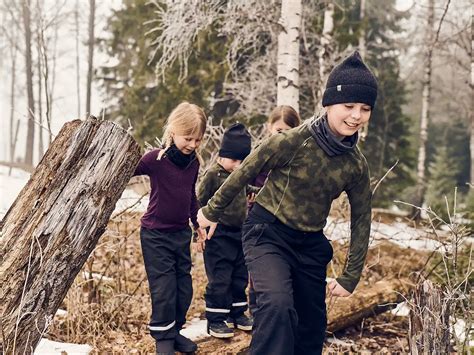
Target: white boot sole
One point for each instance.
(220, 335)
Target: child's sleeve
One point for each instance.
(194, 204)
(145, 163)
(206, 188)
(270, 154)
(360, 199)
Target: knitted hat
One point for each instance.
(351, 81)
(236, 143)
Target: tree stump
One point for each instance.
(429, 320)
(56, 221)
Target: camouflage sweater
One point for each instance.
(301, 186)
(236, 211)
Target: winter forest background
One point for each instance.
(133, 61)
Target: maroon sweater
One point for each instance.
(173, 197)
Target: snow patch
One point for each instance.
(195, 329)
(10, 187)
(49, 347)
(131, 201)
(93, 275)
(401, 310)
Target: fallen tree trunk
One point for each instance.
(56, 221)
(366, 302)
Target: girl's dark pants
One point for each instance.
(288, 270)
(226, 273)
(168, 267)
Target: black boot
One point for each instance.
(165, 347)
(184, 345)
(219, 330)
(241, 322)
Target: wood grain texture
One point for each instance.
(56, 221)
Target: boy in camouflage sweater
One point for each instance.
(285, 249)
(227, 274)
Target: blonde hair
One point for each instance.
(285, 113)
(185, 120)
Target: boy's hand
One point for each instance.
(337, 290)
(204, 222)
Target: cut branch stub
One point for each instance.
(55, 223)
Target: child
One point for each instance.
(227, 274)
(165, 233)
(282, 118)
(285, 249)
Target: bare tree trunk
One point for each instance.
(78, 70)
(288, 54)
(30, 134)
(56, 221)
(13, 52)
(39, 42)
(47, 87)
(472, 102)
(429, 321)
(425, 114)
(326, 50)
(363, 53)
(91, 55)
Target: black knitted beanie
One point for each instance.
(351, 82)
(236, 143)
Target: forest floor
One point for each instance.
(108, 305)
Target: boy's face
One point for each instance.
(187, 144)
(347, 118)
(229, 164)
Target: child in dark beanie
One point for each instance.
(227, 274)
(285, 249)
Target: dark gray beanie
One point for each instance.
(351, 81)
(236, 143)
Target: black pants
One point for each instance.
(226, 273)
(288, 270)
(168, 267)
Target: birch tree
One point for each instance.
(431, 40)
(288, 54)
(30, 135)
(326, 51)
(251, 28)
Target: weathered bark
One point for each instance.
(55, 222)
(90, 61)
(288, 54)
(425, 114)
(366, 302)
(429, 321)
(30, 135)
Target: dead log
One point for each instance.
(429, 320)
(366, 302)
(56, 221)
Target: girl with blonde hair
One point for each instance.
(165, 233)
